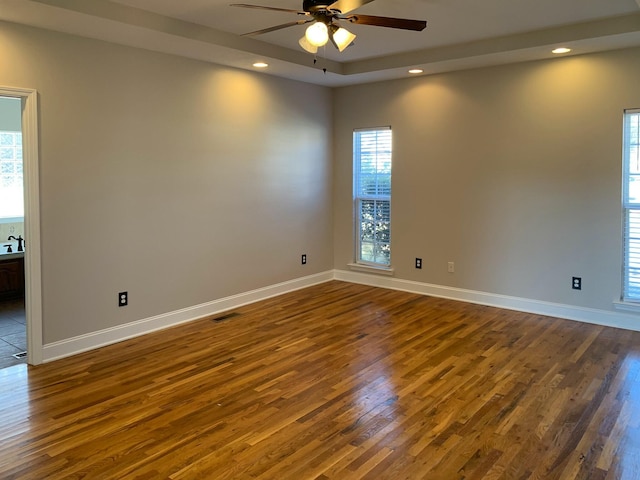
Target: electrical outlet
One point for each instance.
(123, 299)
(304, 259)
(418, 263)
(451, 267)
(576, 283)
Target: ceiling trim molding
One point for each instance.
(125, 25)
(566, 35)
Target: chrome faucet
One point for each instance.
(19, 240)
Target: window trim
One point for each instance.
(627, 302)
(359, 263)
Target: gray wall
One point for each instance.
(184, 182)
(179, 181)
(512, 172)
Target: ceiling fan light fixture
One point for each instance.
(341, 37)
(304, 43)
(317, 34)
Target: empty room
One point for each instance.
(407, 248)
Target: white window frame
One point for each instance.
(380, 196)
(631, 206)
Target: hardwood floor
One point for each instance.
(336, 381)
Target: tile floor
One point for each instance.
(13, 332)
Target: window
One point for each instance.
(11, 194)
(631, 205)
(372, 195)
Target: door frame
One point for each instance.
(32, 254)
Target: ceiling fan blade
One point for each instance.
(404, 23)
(277, 27)
(261, 7)
(345, 6)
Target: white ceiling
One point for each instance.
(460, 33)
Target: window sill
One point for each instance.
(633, 307)
(358, 267)
(11, 219)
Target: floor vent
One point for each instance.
(224, 317)
(19, 355)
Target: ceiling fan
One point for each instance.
(324, 17)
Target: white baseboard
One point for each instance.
(90, 341)
(569, 312)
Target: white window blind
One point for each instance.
(11, 181)
(372, 195)
(631, 206)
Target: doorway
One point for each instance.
(13, 329)
(20, 271)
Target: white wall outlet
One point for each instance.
(451, 267)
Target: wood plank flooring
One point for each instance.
(336, 381)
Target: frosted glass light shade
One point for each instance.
(342, 38)
(304, 43)
(317, 34)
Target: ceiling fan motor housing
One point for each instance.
(315, 5)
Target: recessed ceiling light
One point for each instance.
(561, 50)
(416, 70)
(260, 65)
